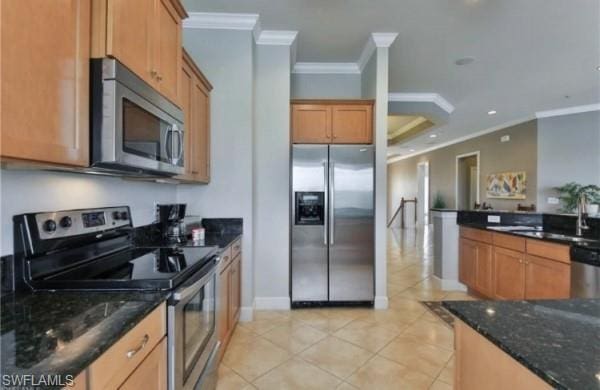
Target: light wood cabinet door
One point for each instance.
(130, 29)
(151, 374)
(352, 124)
(235, 297)
(187, 82)
(484, 270)
(200, 162)
(167, 48)
(509, 274)
(311, 123)
(223, 307)
(45, 54)
(467, 262)
(546, 279)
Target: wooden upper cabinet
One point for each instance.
(45, 54)
(352, 123)
(145, 36)
(546, 279)
(195, 102)
(311, 124)
(509, 274)
(335, 121)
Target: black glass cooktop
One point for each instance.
(135, 268)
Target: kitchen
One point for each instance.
(217, 90)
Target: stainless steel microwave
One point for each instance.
(135, 131)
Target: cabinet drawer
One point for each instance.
(549, 250)
(236, 248)
(476, 234)
(112, 368)
(226, 258)
(509, 242)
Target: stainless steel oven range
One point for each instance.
(92, 249)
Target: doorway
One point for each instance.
(467, 181)
(423, 193)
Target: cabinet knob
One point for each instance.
(154, 73)
(159, 77)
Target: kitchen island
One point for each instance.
(527, 344)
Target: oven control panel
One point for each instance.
(69, 223)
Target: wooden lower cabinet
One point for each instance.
(509, 274)
(546, 279)
(476, 268)
(152, 373)
(482, 365)
(495, 271)
(229, 294)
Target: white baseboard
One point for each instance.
(381, 302)
(451, 285)
(246, 314)
(272, 303)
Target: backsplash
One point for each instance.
(32, 191)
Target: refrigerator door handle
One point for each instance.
(325, 209)
(331, 204)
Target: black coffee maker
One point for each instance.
(170, 220)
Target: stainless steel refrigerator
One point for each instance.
(332, 232)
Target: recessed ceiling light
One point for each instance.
(492, 112)
(412, 150)
(464, 61)
(598, 67)
(432, 135)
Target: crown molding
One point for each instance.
(435, 98)
(221, 21)
(567, 111)
(326, 68)
(384, 39)
(366, 54)
(467, 137)
(276, 37)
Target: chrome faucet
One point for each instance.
(581, 222)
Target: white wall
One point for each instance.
(226, 58)
(271, 177)
(24, 191)
(326, 86)
(374, 85)
(568, 150)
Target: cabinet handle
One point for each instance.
(237, 247)
(154, 73)
(131, 353)
(226, 259)
(159, 77)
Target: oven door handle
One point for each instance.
(192, 288)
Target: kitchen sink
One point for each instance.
(556, 236)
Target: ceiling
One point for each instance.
(530, 55)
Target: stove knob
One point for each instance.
(124, 215)
(49, 226)
(66, 222)
(116, 215)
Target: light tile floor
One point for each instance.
(404, 347)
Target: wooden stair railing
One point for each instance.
(401, 209)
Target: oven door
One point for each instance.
(192, 334)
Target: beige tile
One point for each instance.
(426, 358)
(229, 380)
(422, 295)
(383, 374)
(439, 385)
(254, 357)
(459, 296)
(336, 356)
(396, 320)
(261, 326)
(242, 335)
(346, 386)
(447, 374)
(323, 319)
(367, 334)
(432, 333)
(296, 374)
(294, 337)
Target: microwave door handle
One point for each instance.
(180, 134)
(168, 153)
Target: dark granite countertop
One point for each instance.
(558, 340)
(61, 333)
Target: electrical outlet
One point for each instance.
(553, 200)
(493, 218)
(505, 138)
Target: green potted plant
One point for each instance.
(438, 201)
(570, 193)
